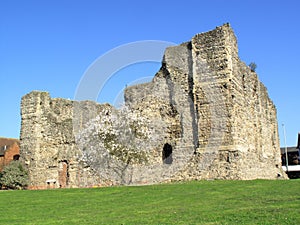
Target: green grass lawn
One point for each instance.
(198, 202)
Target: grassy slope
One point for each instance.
(202, 202)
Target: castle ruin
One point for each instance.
(205, 115)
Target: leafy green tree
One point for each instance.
(14, 176)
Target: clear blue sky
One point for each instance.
(48, 45)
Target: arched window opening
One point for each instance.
(167, 154)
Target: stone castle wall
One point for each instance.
(229, 118)
(48, 145)
(205, 109)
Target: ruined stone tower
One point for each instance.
(205, 115)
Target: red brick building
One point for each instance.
(9, 151)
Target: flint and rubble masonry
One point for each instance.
(205, 115)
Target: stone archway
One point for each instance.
(167, 154)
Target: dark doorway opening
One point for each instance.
(167, 154)
(63, 174)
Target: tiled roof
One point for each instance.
(5, 143)
(8, 141)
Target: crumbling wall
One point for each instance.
(228, 122)
(48, 145)
(205, 106)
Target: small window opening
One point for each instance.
(167, 154)
(16, 157)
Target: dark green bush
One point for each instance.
(14, 176)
